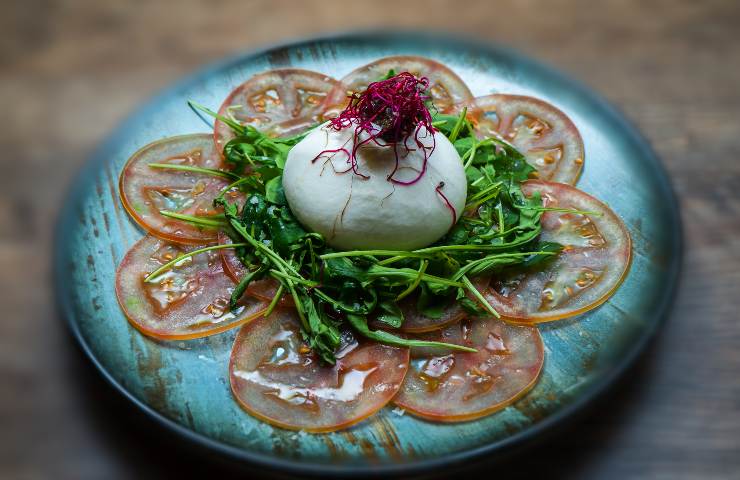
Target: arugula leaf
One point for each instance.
(389, 74)
(274, 191)
(465, 144)
(241, 287)
(325, 337)
(538, 260)
(472, 307)
(286, 233)
(445, 123)
(431, 304)
(343, 268)
(390, 314)
(453, 126)
(251, 148)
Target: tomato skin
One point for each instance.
(191, 301)
(277, 379)
(542, 132)
(457, 387)
(591, 267)
(446, 87)
(281, 102)
(144, 191)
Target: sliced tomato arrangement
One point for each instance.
(593, 263)
(445, 86)
(279, 102)
(273, 372)
(277, 378)
(453, 387)
(189, 301)
(146, 191)
(544, 134)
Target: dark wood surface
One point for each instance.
(69, 71)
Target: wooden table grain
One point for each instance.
(69, 71)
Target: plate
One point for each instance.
(184, 384)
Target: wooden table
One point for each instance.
(69, 71)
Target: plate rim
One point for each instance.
(413, 467)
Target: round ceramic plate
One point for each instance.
(184, 384)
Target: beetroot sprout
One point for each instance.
(447, 201)
(390, 113)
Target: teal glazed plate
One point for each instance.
(185, 385)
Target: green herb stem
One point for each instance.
(463, 248)
(500, 214)
(173, 263)
(275, 300)
(489, 258)
(381, 271)
(281, 265)
(293, 278)
(189, 168)
(397, 258)
(277, 259)
(235, 126)
(370, 253)
(458, 125)
(493, 187)
(563, 210)
(415, 283)
(204, 221)
(241, 287)
(476, 293)
(359, 323)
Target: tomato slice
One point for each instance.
(264, 289)
(145, 191)
(416, 322)
(594, 261)
(189, 301)
(454, 387)
(280, 102)
(233, 267)
(544, 134)
(445, 86)
(276, 378)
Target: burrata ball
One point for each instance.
(363, 209)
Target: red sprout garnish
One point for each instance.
(447, 202)
(332, 151)
(393, 111)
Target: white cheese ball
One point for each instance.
(356, 213)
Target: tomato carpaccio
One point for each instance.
(280, 103)
(595, 259)
(146, 191)
(453, 387)
(276, 377)
(544, 134)
(445, 87)
(274, 374)
(189, 301)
